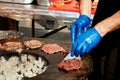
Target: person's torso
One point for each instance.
(105, 9)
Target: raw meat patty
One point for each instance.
(32, 44)
(52, 48)
(70, 64)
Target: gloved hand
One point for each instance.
(79, 26)
(85, 42)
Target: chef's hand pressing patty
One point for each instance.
(79, 26)
(85, 42)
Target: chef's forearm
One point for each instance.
(85, 7)
(108, 25)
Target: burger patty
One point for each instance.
(12, 46)
(32, 44)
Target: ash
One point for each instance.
(14, 69)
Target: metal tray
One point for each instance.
(18, 1)
(43, 2)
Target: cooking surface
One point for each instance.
(53, 73)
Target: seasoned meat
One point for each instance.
(70, 64)
(52, 48)
(32, 44)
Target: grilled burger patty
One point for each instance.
(33, 44)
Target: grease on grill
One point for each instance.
(12, 69)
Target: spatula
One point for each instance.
(71, 57)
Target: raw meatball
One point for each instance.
(70, 64)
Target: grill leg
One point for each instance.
(33, 27)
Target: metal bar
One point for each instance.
(33, 27)
(52, 32)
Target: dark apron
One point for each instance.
(106, 55)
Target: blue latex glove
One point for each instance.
(79, 26)
(85, 42)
